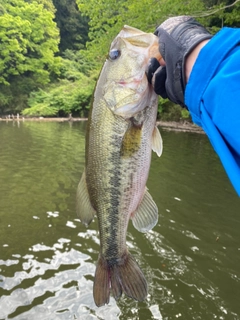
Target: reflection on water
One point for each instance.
(47, 257)
(58, 289)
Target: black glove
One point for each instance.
(178, 36)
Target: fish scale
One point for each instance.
(120, 137)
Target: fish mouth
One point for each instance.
(126, 96)
(133, 103)
(133, 82)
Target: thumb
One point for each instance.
(153, 65)
(158, 82)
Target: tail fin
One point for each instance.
(122, 275)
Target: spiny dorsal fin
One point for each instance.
(146, 215)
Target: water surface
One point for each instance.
(191, 258)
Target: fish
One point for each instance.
(121, 134)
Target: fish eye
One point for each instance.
(114, 54)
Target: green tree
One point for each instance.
(71, 94)
(73, 26)
(106, 19)
(47, 4)
(28, 42)
(222, 13)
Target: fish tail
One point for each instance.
(117, 276)
(101, 285)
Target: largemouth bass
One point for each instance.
(120, 136)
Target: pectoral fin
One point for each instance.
(157, 144)
(146, 215)
(84, 208)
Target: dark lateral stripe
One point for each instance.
(112, 249)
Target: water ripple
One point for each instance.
(47, 260)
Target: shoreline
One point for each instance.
(184, 126)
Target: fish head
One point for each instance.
(126, 90)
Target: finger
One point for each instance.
(162, 62)
(153, 65)
(158, 82)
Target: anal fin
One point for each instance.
(146, 215)
(84, 209)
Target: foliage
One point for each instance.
(70, 95)
(13, 97)
(28, 40)
(106, 19)
(220, 13)
(47, 4)
(61, 99)
(229, 16)
(29, 53)
(185, 114)
(170, 112)
(73, 64)
(73, 26)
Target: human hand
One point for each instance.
(178, 37)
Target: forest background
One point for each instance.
(51, 51)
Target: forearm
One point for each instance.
(192, 58)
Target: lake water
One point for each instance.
(191, 259)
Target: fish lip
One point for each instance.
(130, 109)
(124, 110)
(140, 88)
(136, 80)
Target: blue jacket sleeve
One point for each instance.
(213, 98)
